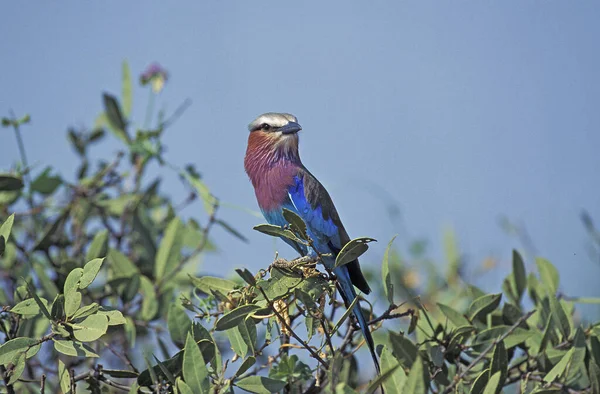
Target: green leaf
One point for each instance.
(58, 308)
(236, 341)
(480, 382)
(206, 342)
(149, 303)
(6, 227)
(72, 303)
(99, 246)
(485, 337)
(17, 370)
(90, 270)
(91, 328)
(499, 365)
(559, 317)
(208, 284)
(195, 373)
(342, 319)
(63, 377)
(595, 347)
(280, 284)
(169, 251)
(72, 282)
(72, 296)
(260, 385)
(246, 365)
(548, 275)
(233, 318)
(454, 316)
(493, 385)
(297, 225)
(247, 330)
(86, 310)
(183, 387)
(519, 274)
(227, 227)
(396, 380)
(121, 265)
(48, 286)
(203, 191)
(126, 89)
(174, 365)
(404, 349)
(278, 231)
(388, 284)
(547, 334)
(10, 183)
(114, 316)
(11, 349)
(39, 301)
(559, 369)
(246, 276)
(73, 348)
(483, 305)
(45, 183)
(377, 382)
(54, 234)
(436, 354)
(415, 382)
(28, 307)
(594, 374)
(352, 250)
(59, 330)
(576, 376)
(165, 370)
(179, 324)
(115, 118)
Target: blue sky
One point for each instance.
(462, 111)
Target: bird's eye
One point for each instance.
(265, 126)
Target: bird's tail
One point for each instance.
(348, 294)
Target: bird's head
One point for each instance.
(277, 132)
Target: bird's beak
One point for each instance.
(290, 128)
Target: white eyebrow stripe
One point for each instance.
(273, 119)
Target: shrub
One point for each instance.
(100, 293)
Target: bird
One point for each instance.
(281, 180)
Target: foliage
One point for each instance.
(100, 293)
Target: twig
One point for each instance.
(43, 384)
(123, 356)
(72, 380)
(486, 351)
(327, 337)
(291, 331)
(389, 315)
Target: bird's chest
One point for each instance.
(272, 185)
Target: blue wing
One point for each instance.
(314, 205)
(312, 202)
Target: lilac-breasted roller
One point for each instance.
(280, 181)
